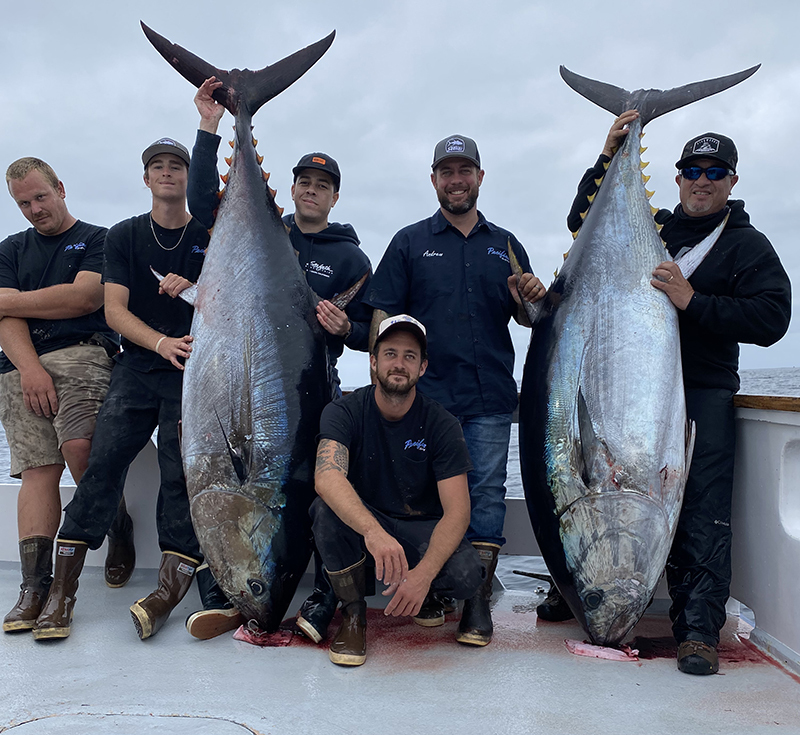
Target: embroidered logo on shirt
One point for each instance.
(432, 254)
(706, 145)
(75, 246)
(502, 254)
(416, 444)
(197, 250)
(320, 269)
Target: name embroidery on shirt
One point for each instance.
(320, 269)
(432, 254)
(502, 254)
(197, 250)
(416, 444)
(75, 246)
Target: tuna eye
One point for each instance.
(593, 599)
(256, 587)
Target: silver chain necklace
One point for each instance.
(153, 230)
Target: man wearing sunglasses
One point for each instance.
(739, 293)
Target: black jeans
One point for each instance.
(699, 564)
(135, 404)
(341, 547)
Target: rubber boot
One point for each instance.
(316, 613)
(36, 563)
(349, 645)
(55, 619)
(218, 615)
(431, 614)
(554, 608)
(696, 657)
(121, 556)
(475, 627)
(174, 579)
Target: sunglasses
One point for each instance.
(713, 173)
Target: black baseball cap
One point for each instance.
(321, 161)
(165, 145)
(456, 146)
(710, 145)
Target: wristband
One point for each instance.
(158, 344)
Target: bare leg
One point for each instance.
(76, 455)
(39, 502)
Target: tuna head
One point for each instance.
(615, 543)
(238, 534)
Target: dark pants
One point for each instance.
(699, 565)
(341, 547)
(135, 404)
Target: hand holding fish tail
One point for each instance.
(408, 595)
(618, 131)
(174, 348)
(667, 277)
(173, 285)
(333, 319)
(210, 110)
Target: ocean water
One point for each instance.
(764, 382)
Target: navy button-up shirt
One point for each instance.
(457, 287)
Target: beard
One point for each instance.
(396, 390)
(462, 207)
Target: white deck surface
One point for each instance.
(102, 679)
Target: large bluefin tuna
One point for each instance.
(604, 441)
(258, 378)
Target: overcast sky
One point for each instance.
(84, 90)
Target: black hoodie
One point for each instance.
(742, 292)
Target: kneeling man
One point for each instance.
(391, 477)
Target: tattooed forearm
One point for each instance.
(332, 455)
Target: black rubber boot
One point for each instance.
(36, 563)
(476, 628)
(55, 619)
(121, 556)
(316, 613)
(431, 614)
(218, 615)
(696, 657)
(174, 579)
(554, 609)
(349, 645)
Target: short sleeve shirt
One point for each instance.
(131, 251)
(30, 261)
(395, 465)
(458, 288)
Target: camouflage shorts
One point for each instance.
(80, 375)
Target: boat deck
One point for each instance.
(103, 679)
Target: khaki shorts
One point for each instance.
(81, 374)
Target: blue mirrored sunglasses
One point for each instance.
(713, 173)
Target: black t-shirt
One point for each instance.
(130, 252)
(30, 261)
(395, 465)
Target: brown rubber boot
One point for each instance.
(349, 645)
(56, 616)
(121, 555)
(174, 579)
(36, 563)
(475, 627)
(696, 657)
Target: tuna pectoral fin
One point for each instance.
(189, 295)
(650, 102)
(592, 456)
(689, 261)
(345, 297)
(690, 437)
(240, 458)
(531, 310)
(251, 88)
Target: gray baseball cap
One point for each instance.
(456, 146)
(165, 145)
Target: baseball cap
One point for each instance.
(406, 323)
(710, 145)
(456, 146)
(165, 145)
(321, 161)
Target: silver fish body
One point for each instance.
(604, 441)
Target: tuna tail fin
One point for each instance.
(651, 103)
(241, 87)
